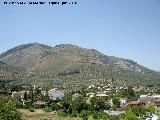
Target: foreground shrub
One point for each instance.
(85, 114)
(56, 106)
(28, 105)
(63, 114)
(31, 109)
(47, 109)
(8, 110)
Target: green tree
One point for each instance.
(66, 103)
(102, 116)
(107, 105)
(8, 111)
(116, 102)
(31, 94)
(79, 104)
(85, 114)
(91, 118)
(97, 104)
(129, 115)
(56, 106)
(130, 93)
(139, 110)
(150, 107)
(25, 95)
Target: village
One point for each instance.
(111, 99)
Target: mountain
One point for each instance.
(74, 65)
(24, 55)
(40, 57)
(10, 73)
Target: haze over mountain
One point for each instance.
(70, 64)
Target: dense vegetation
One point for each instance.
(8, 110)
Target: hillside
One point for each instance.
(10, 74)
(24, 55)
(73, 65)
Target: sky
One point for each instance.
(123, 28)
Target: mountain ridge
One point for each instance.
(65, 63)
(61, 46)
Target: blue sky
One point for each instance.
(123, 28)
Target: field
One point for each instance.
(39, 114)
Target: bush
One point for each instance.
(113, 117)
(85, 114)
(37, 106)
(19, 105)
(31, 109)
(8, 110)
(90, 118)
(56, 106)
(97, 104)
(63, 114)
(28, 105)
(102, 115)
(107, 105)
(74, 114)
(47, 109)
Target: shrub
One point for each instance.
(28, 105)
(63, 114)
(47, 109)
(85, 114)
(56, 106)
(74, 114)
(37, 106)
(31, 109)
(8, 110)
(19, 104)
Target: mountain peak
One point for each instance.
(37, 44)
(33, 44)
(66, 45)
